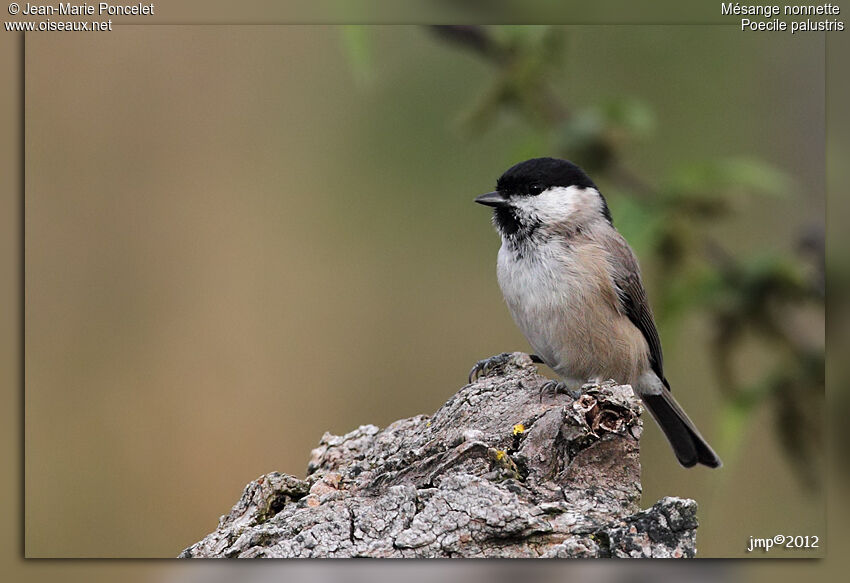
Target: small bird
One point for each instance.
(573, 286)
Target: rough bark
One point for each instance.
(495, 472)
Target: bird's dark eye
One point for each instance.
(535, 189)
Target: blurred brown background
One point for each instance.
(238, 238)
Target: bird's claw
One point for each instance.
(488, 366)
(556, 387)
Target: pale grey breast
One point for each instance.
(562, 297)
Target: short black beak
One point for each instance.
(494, 199)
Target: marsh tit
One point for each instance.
(573, 286)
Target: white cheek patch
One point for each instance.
(556, 203)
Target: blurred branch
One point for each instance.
(473, 38)
(509, 59)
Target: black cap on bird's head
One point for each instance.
(513, 200)
(542, 173)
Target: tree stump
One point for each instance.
(500, 470)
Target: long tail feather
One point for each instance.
(689, 446)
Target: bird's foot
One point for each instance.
(488, 366)
(556, 387)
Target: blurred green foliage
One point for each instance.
(358, 48)
(748, 300)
